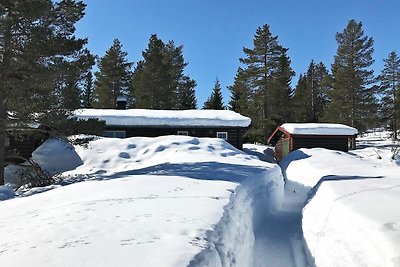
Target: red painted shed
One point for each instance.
(292, 136)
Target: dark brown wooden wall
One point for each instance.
(279, 150)
(235, 135)
(334, 142)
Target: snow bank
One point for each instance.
(231, 243)
(351, 218)
(56, 156)
(166, 201)
(6, 193)
(147, 117)
(319, 129)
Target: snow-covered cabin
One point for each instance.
(292, 136)
(121, 123)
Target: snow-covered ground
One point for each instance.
(167, 201)
(184, 201)
(352, 211)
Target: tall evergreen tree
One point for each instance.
(159, 81)
(352, 99)
(72, 80)
(186, 97)
(310, 97)
(390, 90)
(268, 72)
(215, 101)
(280, 96)
(113, 78)
(239, 93)
(36, 43)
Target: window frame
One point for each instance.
(182, 132)
(114, 133)
(222, 133)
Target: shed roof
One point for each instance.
(318, 129)
(172, 118)
(312, 129)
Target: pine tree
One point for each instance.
(113, 78)
(36, 43)
(390, 90)
(269, 73)
(352, 99)
(215, 101)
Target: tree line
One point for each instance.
(348, 93)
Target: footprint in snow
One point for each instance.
(160, 148)
(131, 146)
(124, 155)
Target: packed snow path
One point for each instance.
(279, 239)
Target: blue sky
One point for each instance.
(214, 32)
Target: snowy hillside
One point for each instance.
(352, 217)
(167, 201)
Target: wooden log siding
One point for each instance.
(235, 137)
(328, 142)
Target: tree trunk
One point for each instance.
(3, 117)
(4, 74)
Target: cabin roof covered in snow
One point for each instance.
(318, 129)
(172, 118)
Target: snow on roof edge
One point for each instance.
(148, 117)
(319, 129)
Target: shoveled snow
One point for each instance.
(351, 216)
(147, 117)
(319, 129)
(166, 201)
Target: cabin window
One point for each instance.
(114, 134)
(222, 135)
(183, 133)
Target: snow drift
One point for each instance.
(351, 217)
(167, 201)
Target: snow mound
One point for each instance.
(108, 156)
(352, 207)
(167, 201)
(6, 193)
(56, 156)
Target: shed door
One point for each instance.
(285, 146)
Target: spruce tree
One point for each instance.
(151, 86)
(280, 96)
(390, 90)
(239, 93)
(36, 43)
(186, 97)
(310, 97)
(159, 81)
(72, 80)
(215, 101)
(352, 100)
(113, 78)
